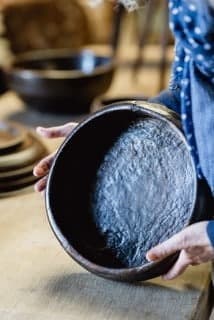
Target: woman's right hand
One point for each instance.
(41, 170)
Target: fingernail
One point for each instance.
(35, 172)
(151, 257)
(38, 172)
(148, 257)
(40, 128)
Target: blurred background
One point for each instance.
(141, 39)
(61, 60)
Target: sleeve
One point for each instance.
(169, 98)
(211, 3)
(210, 231)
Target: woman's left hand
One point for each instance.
(194, 246)
(42, 169)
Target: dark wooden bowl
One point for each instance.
(71, 182)
(60, 80)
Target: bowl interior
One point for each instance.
(85, 62)
(120, 184)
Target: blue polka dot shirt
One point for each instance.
(192, 82)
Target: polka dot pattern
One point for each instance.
(194, 47)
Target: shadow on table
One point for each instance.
(114, 300)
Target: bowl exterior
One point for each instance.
(67, 95)
(199, 213)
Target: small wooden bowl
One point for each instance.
(71, 182)
(61, 81)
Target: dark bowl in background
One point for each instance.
(61, 81)
(70, 179)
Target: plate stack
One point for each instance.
(20, 150)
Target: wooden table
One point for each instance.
(40, 281)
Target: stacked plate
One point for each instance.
(20, 150)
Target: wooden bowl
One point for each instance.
(98, 220)
(61, 81)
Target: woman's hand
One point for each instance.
(194, 246)
(41, 170)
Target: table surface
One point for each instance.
(40, 281)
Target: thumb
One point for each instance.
(56, 132)
(165, 249)
(192, 236)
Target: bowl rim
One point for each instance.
(63, 73)
(152, 109)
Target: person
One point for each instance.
(191, 94)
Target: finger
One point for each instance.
(43, 167)
(41, 184)
(179, 267)
(174, 244)
(192, 236)
(57, 132)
